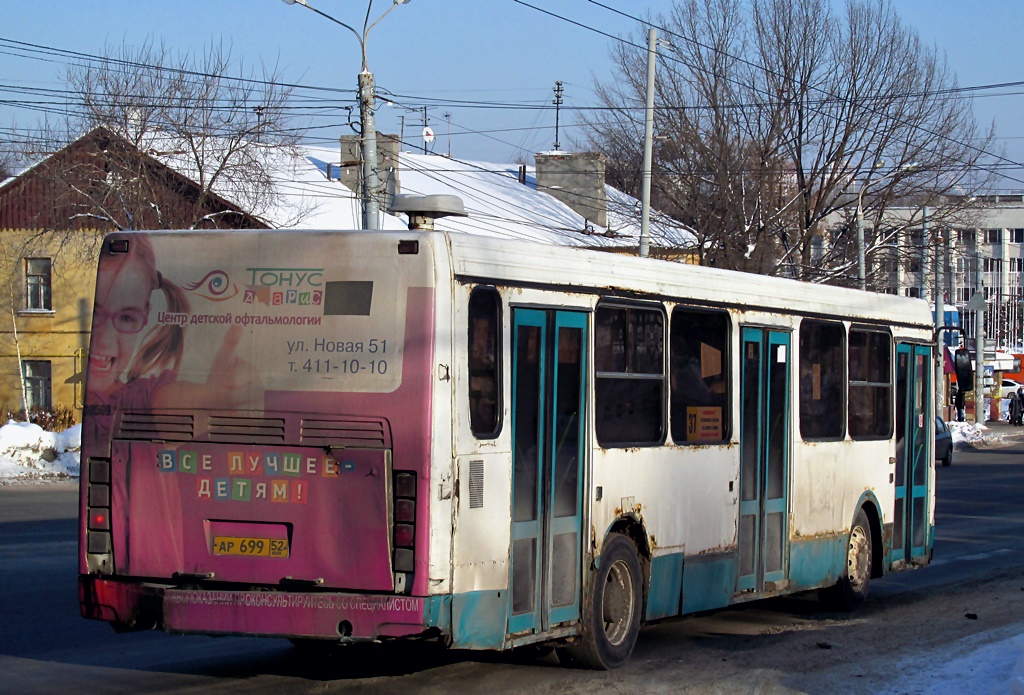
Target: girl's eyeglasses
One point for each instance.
(124, 321)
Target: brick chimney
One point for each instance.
(576, 179)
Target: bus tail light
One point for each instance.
(404, 528)
(97, 533)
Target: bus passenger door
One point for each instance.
(764, 451)
(548, 408)
(910, 514)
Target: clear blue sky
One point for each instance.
(466, 50)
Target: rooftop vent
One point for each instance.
(424, 209)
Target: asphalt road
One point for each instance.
(46, 647)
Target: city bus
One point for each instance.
(343, 436)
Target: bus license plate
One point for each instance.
(250, 547)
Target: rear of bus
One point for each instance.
(257, 434)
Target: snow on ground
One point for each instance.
(987, 663)
(970, 433)
(30, 453)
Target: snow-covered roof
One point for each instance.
(497, 205)
(311, 196)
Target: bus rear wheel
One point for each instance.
(611, 610)
(852, 588)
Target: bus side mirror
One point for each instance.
(964, 372)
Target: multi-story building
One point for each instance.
(977, 250)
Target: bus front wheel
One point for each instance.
(611, 610)
(852, 588)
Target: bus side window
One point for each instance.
(870, 384)
(484, 356)
(629, 361)
(698, 370)
(822, 379)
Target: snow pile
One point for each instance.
(972, 434)
(28, 452)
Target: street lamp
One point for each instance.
(368, 129)
(861, 274)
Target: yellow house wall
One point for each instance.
(60, 336)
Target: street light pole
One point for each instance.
(367, 104)
(861, 270)
(861, 274)
(368, 142)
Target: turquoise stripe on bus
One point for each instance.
(708, 581)
(437, 612)
(663, 598)
(816, 562)
(479, 619)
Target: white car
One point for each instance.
(1008, 387)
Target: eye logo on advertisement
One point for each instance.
(215, 286)
(280, 286)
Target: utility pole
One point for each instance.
(368, 129)
(558, 90)
(979, 336)
(645, 202)
(368, 140)
(448, 117)
(940, 318)
(424, 129)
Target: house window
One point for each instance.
(993, 236)
(629, 360)
(1017, 236)
(992, 265)
(37, 284)
(38, 386)
(965, 236)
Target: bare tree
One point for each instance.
(6, 165)
(773, 117)
(173, 142)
